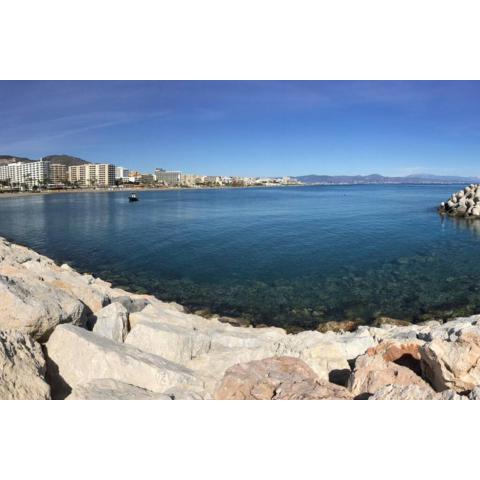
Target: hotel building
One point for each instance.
(58, 173)
(92, 174)
(29, 173)
(173, 179)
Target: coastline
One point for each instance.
(75, 336)
(133, 189)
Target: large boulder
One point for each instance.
(275, 379)
(22, 368)
(36, 308)
(112, 322)
(372, 372)
(211, 347)
(453, 364)
(76, 356)
(82, 287)
(109, 389)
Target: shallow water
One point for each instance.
(285, 256)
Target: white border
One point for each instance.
(248, 39)
(207, 39)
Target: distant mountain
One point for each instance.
(63, 159)
(380, 179)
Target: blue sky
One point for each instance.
(249, 128)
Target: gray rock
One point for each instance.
(131, 304)
(22, 368)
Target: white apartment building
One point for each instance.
(92, 174)
(28, 173)
(122, 173)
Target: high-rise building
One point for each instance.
(122, 173)
(58, 173)
(25, 173)
(92, 174)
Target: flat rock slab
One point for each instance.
(109, 389)
(76, 356)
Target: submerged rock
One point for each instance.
(339, 326)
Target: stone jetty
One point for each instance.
(64, 335)
(464, 203)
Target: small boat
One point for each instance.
(133, 198)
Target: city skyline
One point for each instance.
(249, 128)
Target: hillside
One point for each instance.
(63, 159)
(5, 159)
(67, 160)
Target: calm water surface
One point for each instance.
(283, 256)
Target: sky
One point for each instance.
(254, 128)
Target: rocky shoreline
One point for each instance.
(64, 335)
(464, 203)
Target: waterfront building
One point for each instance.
(213, 180)
(25, 173)
(173, 179)
(92, 174)
(122, 173)
(147, 178)
(58, 173)
(134, 176)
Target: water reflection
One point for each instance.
(470, 224)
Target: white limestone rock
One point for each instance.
(76, 356)
(112, 322)
(453, 364)
(110, 389)
(35, 308)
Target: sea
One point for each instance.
(294, 257)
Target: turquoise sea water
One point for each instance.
(285, 256)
